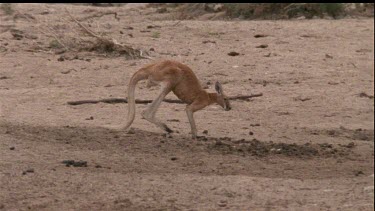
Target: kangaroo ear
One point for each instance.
(218, 87)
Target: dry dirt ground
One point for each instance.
(306, 144)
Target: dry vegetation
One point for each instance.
(265, 10)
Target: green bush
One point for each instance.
(245, 10)
(332, 9)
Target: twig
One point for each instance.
(244, 97)
(100, 14)
(52, 34)
(137, 101)
(88, 31)
(178, 22)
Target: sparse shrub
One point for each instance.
(174, 4)
(155, 35)
(309, 10)
(239, 10)
(267, 10)
(332, 9)
(55, 44)
(7, 8)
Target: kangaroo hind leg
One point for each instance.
(149, 113)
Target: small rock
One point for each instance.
(251, 133)
(329, 56)
(222, 203)
(173, 120)
(90, 118)
(30, 170)
(151, 27)
(60, 51)
(12, 148)
(98, 166)
(121, 32)
(88, 60)
(205, 132)
(357, 173)
(4, 77)
(350, 145)
(152, 49)
(174, 158)
(30, 36)
(260, 35)
(80, 164)
(202, 138)
(267, 55)
(262, 46)
(68, 162)
(60, 59)
(303, 99)
(131, 131)
(65, 72)
(208, 41)
(233, 53)
(17, 34)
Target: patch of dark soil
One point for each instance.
(258, 148)
(357, 134)
(74, 163)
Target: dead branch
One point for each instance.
(134, 53)
(244, 97)
(137, 101)
(100, 14)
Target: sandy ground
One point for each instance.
(306, 144)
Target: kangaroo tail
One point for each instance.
(138, 76)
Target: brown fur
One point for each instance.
(181, 80)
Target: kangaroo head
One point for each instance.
(222, 99)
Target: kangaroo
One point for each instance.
(181, 80)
